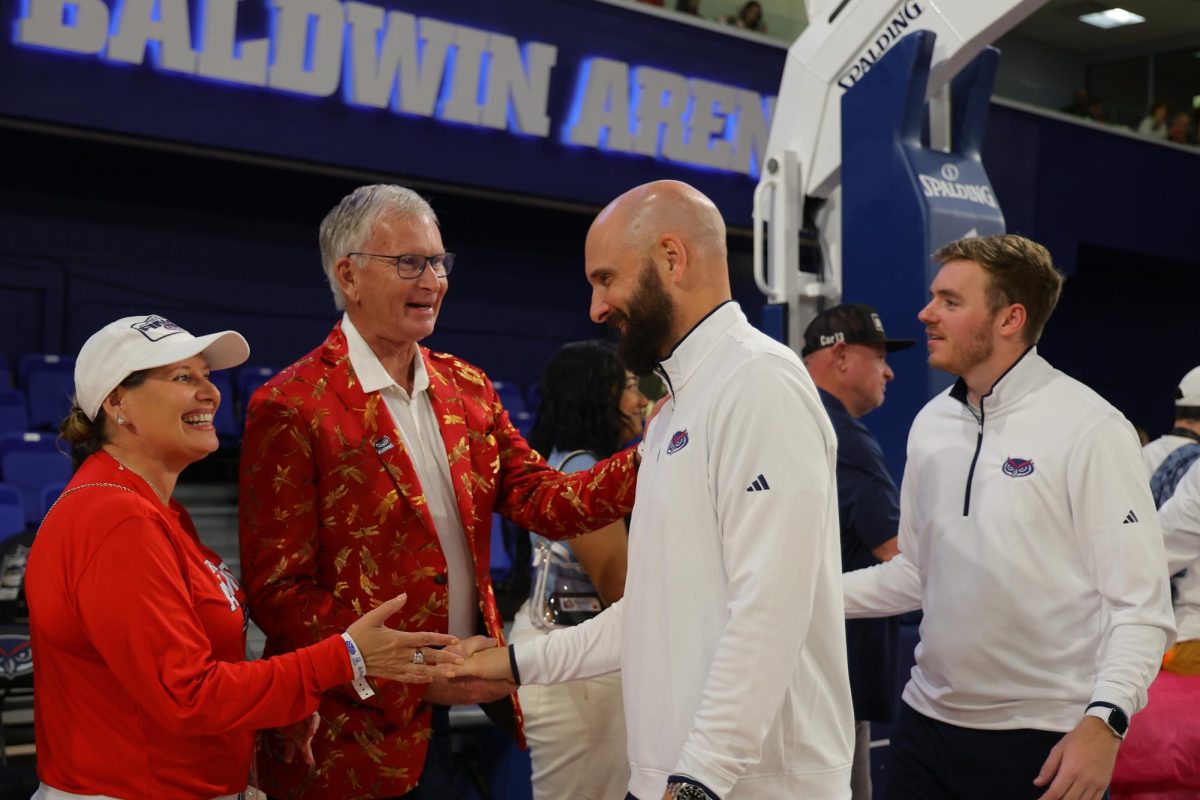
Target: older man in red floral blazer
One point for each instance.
(372, 466)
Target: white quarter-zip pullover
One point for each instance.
(1029, 537)
(730, 637)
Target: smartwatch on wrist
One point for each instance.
(1110, 715)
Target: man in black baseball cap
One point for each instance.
(845, 350)
(852, 323)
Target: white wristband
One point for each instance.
(359, 665)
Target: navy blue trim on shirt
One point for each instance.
(512, 663)
(660, 370)
(959, 393)
(699, 322)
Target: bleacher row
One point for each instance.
(33, 470)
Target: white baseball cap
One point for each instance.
(130, 344)
(1188, 393)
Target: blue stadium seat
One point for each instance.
(533, 398)
(50, 495)
(6, 380)
(49, 383)
(524, 422)
(12, 512)
(13, 416)
(29, 462)
(501, 565)
(510, 396)
(249, 379)
(28, 441)
(228, 426)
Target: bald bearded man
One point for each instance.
(730, 638)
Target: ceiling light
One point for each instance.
(1112, 18)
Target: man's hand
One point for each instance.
(1081, 764)
(297, 738)
(486, 676)
(465, 691)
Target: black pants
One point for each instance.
(437, 776)
(932, 760)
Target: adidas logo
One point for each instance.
(759, 485)
(1130, 517)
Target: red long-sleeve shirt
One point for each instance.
(138, 636)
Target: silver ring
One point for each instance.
(418, 656)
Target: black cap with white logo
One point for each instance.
(852, 323)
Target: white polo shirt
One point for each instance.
(416, 425)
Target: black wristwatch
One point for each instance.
(684, 790)
(1110, 715)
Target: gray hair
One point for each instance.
(346, 227)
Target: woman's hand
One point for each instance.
(389, 653)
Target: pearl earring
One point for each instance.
(120, 420)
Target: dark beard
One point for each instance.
(648, 324)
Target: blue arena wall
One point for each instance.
(132, 188)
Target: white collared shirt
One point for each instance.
(417, 426)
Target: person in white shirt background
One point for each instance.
(1029, 538)
(730, 637)
(1186, 429)
(1180, 519)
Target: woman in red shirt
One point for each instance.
(138, 629)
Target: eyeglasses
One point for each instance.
(412, 265)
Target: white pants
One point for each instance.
(576, 733)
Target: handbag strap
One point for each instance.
(74, 489)
(562, 462)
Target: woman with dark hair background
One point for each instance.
(590, 406)
(750, 17)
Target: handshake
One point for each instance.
(460, 672)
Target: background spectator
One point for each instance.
(688, 7)
(576, 730)
(749, 17)
(1079, 103)
(1155, 123)
(1181, 128)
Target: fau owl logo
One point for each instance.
(679, 440)
(16, 656)
(1018, 467)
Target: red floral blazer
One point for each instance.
(333, 522)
